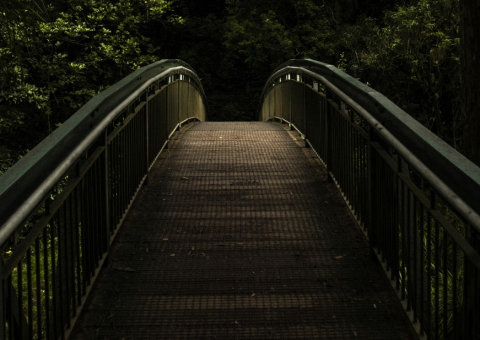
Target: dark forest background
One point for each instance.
(55, 55)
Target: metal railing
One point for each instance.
(417, 199)
(61, 205)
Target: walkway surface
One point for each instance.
(238, 235)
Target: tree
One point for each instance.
(412, 57)
(56, 55)
(470, 52)
(267, 34)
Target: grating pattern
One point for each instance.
(239, 236)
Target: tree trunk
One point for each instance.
(470, 60)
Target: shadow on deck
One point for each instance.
(238, 235)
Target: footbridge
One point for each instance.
(336, 215)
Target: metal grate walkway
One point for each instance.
(238, 235)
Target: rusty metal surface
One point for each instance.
(238, 235)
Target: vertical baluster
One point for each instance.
(455, 278)
(407, 248)
(38, 290)
(98, 224)
(422, 298)
(46, 279)
(85, 248)
(20, 317)
(436, 280)
(71, 251)
(372, 187)
(476, 307)
(29, 293)
(414, 235)
(3, 305)
(60, 275)
(54, 280)
(429, 275)
(444, 268)
(402, 237)
(11, 320)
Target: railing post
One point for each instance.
(305, 115)
(3, 319)
(290, 107)
(107, 194)
(372, 194)
(167, 115)
(168, 89)
(179, 104)
(147, 137)
(329, 136)
(188, 100)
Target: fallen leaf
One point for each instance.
(172, 255)
(375, 306)
(184, 178)
(165, 239)
(124, 269)
(355, 333)
(253, 295)
(147, 250)
(339, 257)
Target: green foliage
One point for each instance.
(54, 57)
(314, 31)
(413, 58)
(260, 37)
(269, 35)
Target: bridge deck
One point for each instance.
(238, 235)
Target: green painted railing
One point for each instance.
(417, 199)
(61, 205)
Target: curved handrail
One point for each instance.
(454, 177)
(26, 184)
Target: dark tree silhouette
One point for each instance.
(470, 60)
